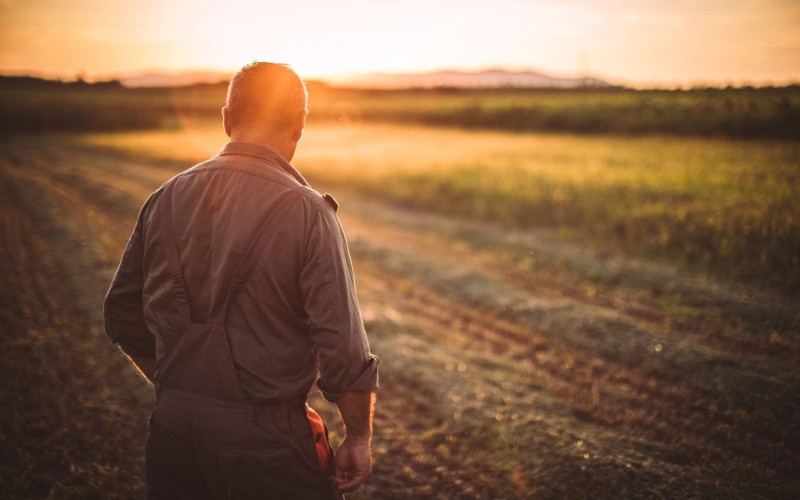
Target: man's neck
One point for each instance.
(276, 142)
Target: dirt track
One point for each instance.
(514, 364)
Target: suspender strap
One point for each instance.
(245, 266)
(256, 249)
(168, 241)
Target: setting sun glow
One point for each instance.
(625, 41)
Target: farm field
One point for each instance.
(520, 360)
(714, 204)
(34, 105)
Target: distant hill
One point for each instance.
(174, 79)
(491, 78)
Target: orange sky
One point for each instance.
(640, 42)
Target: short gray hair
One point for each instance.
(266, 92)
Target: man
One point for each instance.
(234, 294)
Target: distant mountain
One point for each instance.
(174, 79)
(491, 78)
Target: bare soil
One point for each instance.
(516, 364)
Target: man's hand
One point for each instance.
(353, 463)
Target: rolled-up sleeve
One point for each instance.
(329, 296)
(122, 308)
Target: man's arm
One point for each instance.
(348, 371)
(329, 296)
(122, 308)
(353, 461)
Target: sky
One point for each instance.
(632, 42)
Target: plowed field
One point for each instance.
(515, 364)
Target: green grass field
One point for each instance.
(35, 105)
(734, 113)
(648, 170)
(712, 204)
(560, 315)
(518, 362)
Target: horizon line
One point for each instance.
(345, 79)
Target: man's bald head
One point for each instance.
(266, 96)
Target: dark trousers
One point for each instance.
(204, 449)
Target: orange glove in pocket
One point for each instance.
(320, 433)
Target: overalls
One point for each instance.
(205, 438)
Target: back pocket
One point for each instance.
(235, 461)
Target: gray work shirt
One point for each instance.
(297, 316)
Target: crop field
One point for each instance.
(550, 324)
(733, 112)
(28, 104)
(719, 205)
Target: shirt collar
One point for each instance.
(264, 153)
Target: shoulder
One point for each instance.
(319, 212)
(324, 202)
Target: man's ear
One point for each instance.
(297, 133)
(226, 120)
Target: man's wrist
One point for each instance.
(356, 410)
(357, 440)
